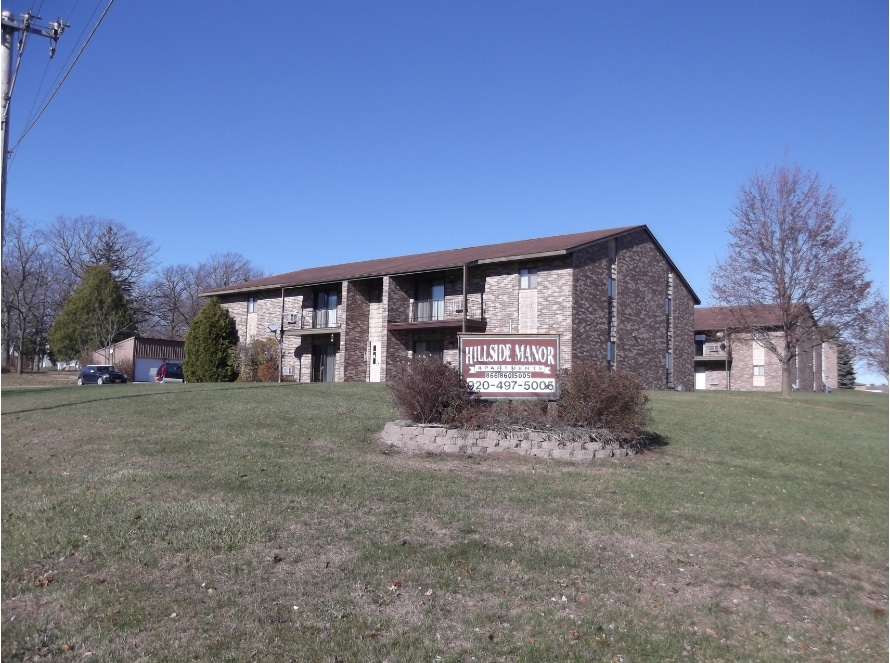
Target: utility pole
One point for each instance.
(26, 27)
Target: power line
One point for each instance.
(37, 92)
(62, 81)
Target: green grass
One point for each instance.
(263, 522)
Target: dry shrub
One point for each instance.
(267, 372)
(427, 391)
(125, 366)
(255, 359)
(502, 414)
(594, 397)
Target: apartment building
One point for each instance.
(613, 296)
(731, 352)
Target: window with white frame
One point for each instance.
(759, 370)
(528, 279)
(251, 305)
(610, 287)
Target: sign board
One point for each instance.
(511, 365)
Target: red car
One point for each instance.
(170, 373)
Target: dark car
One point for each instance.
(100, 374)
(170, 373)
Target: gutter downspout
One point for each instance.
(464, 322)
(281, 342)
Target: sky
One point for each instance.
(308, 133)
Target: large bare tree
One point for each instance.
(790, 248)
(174, 292)
(29, 275)
(85, 241)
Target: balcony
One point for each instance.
(711, 352)
(441, 314)
(320, 321)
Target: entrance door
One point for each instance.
(375, 361)
(323, 362)
(701, 378)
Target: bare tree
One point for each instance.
(85, 241)
(27, 279)
(171, 301)
(790, 248)
(174, 300)
(873, 337)
(225, 269)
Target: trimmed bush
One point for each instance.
(427, 391)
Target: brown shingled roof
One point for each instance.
(435, 260)
(733, 317)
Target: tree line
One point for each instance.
(86, 282)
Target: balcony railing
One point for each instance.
(427, 311)
(324, 319)
(449, 309)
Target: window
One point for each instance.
(325, 309)
(669, 361)
(759, 370)
(430, 304)
(429, 348)
(610, 351)
(528, 279)
(667, 307)
(251, 305)
(610, 287)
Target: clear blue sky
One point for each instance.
(310, 133)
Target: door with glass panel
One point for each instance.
(430, 301)
(324, 362)
(325, 309)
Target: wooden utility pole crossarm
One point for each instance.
(26, 27)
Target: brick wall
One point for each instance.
(355, 332)
(829, 364)
(642, 324)
(742, 373)
(590, 305)
(684, 336)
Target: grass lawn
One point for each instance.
(235, 522)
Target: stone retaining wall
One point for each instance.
(572, 445)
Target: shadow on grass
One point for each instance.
(656, 441)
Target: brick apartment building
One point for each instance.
(614, 297)
(728, 356)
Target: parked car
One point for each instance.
(100, 374)
(170, 373)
